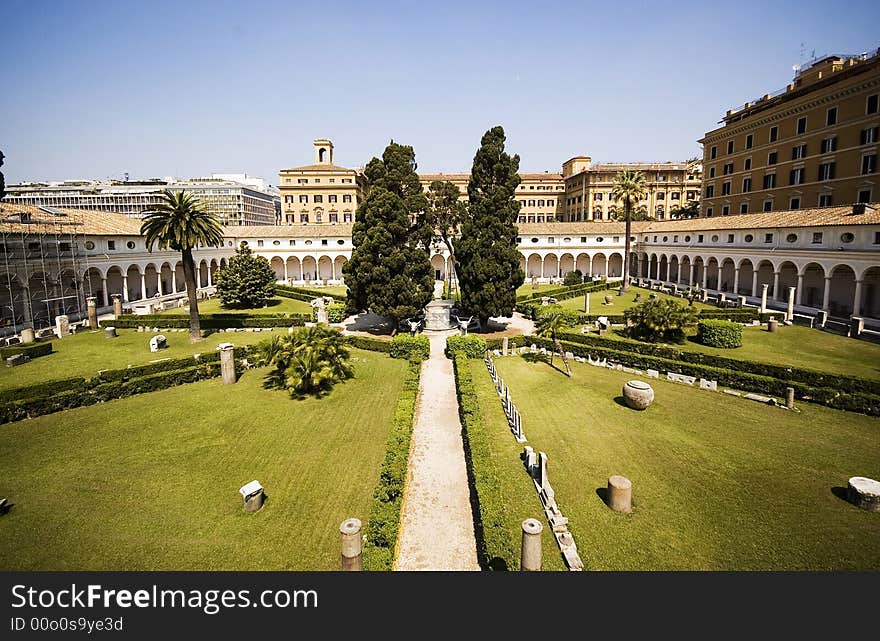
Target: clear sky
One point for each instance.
(95, 89)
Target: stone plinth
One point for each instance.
(27, 335)
(117, 305)
(638, 395)
(620, 494)
(62, 325)
(92, 308)
(437, 314)
(109, 332)
(864, 493)
(773, 325)
(227, 363)
(352, 546)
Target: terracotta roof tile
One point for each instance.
(84, 221)
(289, 231)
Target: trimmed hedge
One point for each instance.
(31, 350)
(213, 321)
(371, 344)
(472, 346)
(720, 333)
(492, 528)
(843, 384)
(853, 401)
(384, 520)
(303, 293)
(569, 291)
(102, 391)
(335, 313)
(416, 347)
(42, 389)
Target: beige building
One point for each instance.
(812, 144)
(321, 192)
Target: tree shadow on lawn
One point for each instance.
(841, 492)
(542, 358)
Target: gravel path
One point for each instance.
(437, 528)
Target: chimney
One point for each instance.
(858, 209)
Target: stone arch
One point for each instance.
(598, 264)
(615, 265)
(309, 268)
(713, 273)
(813, 285)
(582, 262)
(684, 270)
(166, 277)
(13, 298)
(438, 264)
(179, 276)
(765, 277)
(788, 277)
(151, 280)
(202, 274)
(551, 266)
(93, 284)
(114, 280)
(223, 263)
(868, 303)
(338, 263)
(294, 269)
(842, 290)
(746, 274)
(673, 269)
(727, 275)
(522, 265)
(566, 264)
(653, 266)
(663, 268)
(213, 267)
(325, 268)
(534, 266)
(134, 282)
(277, 265)
(699, 270)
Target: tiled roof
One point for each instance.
(84, 221)
(573, 229)
(324, 167)
(288, 231)
(816, 216)
(444, 177)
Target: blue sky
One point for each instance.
(95, 89)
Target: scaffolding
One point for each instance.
(43, 263)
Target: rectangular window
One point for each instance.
(710, 191)
(319, 199)
(768, 238)
(661, 195)
(768, 205)
(869, 164)
(871, 107)
(725, 210)
(303, 218)
(825, 200)
(769, 181)
(831, 117)
(700, 238)
(802, 125)
(675, 196)
(331, 198)
(747, 185)
(317, 180)
(111, 245)
(774, 133)
(796, 176)
(728, 168)
(259, 243)
(323, 241)
(708, 212)
(864, 195)
(583, 239)
(711, 172)
(540, 203)
(749, 141)
(744, 208)
(868, 136)
(729, 238)
(346, 217)
(826, 171)
(729, 146)
(675, 239)
(334, 218)
(829, 145)
(303, 199)
(713, 153)
(550, 239)
(794, 203)
(877, 237)
(747, 164)
(772, 157)
(798, 152)
(691, 195)
(550, 203)
(817, 237)
(291, 242)
(725, 188)
(346, 198)
(332, 180)
(302, 181)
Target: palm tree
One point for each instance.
(309, 361)
(181, 222)
(629, 187)
(549, 326)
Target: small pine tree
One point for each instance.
(659, 320)
(247, 282)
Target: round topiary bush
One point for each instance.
(573, 278)
(720, 333)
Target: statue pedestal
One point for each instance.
(437, 314)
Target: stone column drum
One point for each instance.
(864, 493)
(27, 335)
(92, 307)
(352, 556)
(638, 395)
(117, 305)
(531, 545)
(620, 494)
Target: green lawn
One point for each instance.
(337, 291)
(797, 346)
(527, 289)
(83, 354)
(277, 305)
(621, 303)
(516, 487)
(151, 482)
(719, 483)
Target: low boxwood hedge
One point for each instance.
(384, 520)
(472, 346)
(371, 344)
(303, 293)
(492, 527)
(416, 347)
(42, 389)
(715, 332)
(213, 321)
(31, 350)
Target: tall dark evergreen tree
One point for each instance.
(2, 180)
(390, 270)
(488, 260)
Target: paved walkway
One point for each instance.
(437, 528)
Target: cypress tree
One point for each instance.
(390, 269)
(488, 260)
(2, 180)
